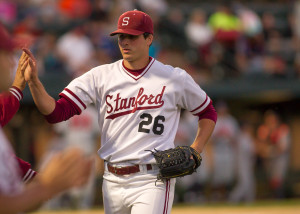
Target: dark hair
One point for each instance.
(146, 35)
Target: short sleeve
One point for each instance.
(193, 98)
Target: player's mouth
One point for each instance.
(126, 50)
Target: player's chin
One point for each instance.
(127, 57)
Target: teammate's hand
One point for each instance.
(30, 73)
(19, 80)
(65, 170)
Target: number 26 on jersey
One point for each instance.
(147, 124)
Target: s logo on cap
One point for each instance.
(134, 23)
(125, 21)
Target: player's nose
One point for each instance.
(124, 42)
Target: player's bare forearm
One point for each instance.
(34, 195)
(205, 129)
(44, 102)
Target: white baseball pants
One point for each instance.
(137, 193)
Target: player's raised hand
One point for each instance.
(30, 73)
(65, 170)
(19, 80)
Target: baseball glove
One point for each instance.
(177, 162)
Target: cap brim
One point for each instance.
(127, 31)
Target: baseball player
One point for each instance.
(273, 142)
(9, 105)
(138, 100)
(64, 171)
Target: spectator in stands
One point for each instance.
(225, 25)
(157, 7)
(8, 13)
(250, 22)
(49, 61)
(249, 55)
(227, 30)
(274, 63)
(76, 49)
(199, 34)
(78, 9)
(171, 30)
(269, 24)
(27, 31)
(197, 30)
(250, 46)
(49, 18)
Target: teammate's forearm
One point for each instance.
(205, 129)
(19, 85)
(44, 102)
(33, 196)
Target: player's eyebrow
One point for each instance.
(129, 36)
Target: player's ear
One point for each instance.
(149, 39)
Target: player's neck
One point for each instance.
(137, 65)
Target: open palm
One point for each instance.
(31, 70)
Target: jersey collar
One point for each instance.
(137, 74)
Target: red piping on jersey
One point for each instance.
(75, 96)
(128, 71)
(167, 197)
(168, 200)
(200, 105)
(71, 101)
(208, 113)
(113, 116)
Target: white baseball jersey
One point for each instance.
(10, 182)
(136, 113)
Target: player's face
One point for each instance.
(134, 48)
(6, 66)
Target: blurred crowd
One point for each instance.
(211, 42)
(222, 40)
(244, 155)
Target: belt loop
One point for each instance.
(143, 168)
(105, 166)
